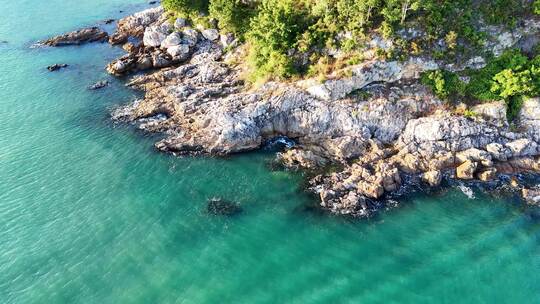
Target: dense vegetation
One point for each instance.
(287, 36)
(510, 77)
(291, 37)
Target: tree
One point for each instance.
(274, 33)
(232, 15)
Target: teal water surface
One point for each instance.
(90, 213)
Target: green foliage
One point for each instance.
(510, 83)
(280, 31)
(444, 83)
(186, 7)
(482, 80)
(274, 33)
(510, 77)
(513, 107)
(503, 11)
(233, 16)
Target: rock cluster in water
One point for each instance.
(92, 34)
(197, 98)
(99, 85)
(56, 67)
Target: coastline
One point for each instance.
(195, 96)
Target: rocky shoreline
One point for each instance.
(394, 128)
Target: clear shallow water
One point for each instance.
(89, 213)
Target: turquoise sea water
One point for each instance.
(90, 213)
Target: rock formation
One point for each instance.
(401, 130)
(396, 132)
(92, 34)
(56, 67)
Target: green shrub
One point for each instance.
(186, 7)
(233, 16)
(446, 85)
(276, 29)
(510, 77)
(274, 33)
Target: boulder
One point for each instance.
(432, 178)
(487, 174)
(179, 52)
(499, 152)
(135, 25)
(522, 147)
(474, 154)
(190, 37)
(173, 39)
(122, 65)
(211, 34)
(130, 47)
(227, 40)
(493, 111)
(180, 23)
(144, 62)
(466, 170)
(159, 60)
(372, 190)
(155, 35)
(299, 158)
(529, 116)
(118, 38)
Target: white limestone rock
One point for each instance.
(211, 34)
(173, 39)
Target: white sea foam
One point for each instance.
(467, 191)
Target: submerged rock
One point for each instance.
(92, 34)
(56, 67)
(217, 206)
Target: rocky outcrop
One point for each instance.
(92, 34)
(135, 25)
(529, 117)
(56, 67)
(531, 195)
(467, 170)
(432, 178)
(494, 112)
(301, 159)
(396, 132)
(162, 44)
(367, 73)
